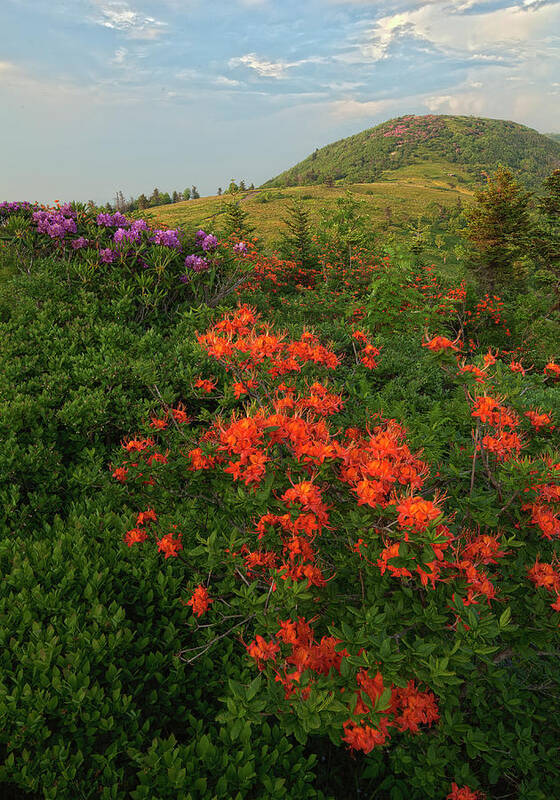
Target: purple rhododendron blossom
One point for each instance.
(209, 243)
(196, 263)
(167, 238)
(240, 248)
(119, 236)
(116, 220)
(200, 236)
(107, 255)
(54, 224)
(77, 244)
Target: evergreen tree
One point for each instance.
(498, 229)
(194, 193)
(187, 194)
(343, 227)
(175, 196)
(142, 201)
(236, 220)
(219, 191)
(242, 187)
(296, 240)
(154, 197)
(546, 240)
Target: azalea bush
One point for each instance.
(323, 561)
(382, 600)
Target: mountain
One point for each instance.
(463, 147)
(554, 136)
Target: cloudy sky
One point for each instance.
(100, 95)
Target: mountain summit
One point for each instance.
(465, 146)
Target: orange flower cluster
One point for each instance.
(503, 442)
(168, 545)
(440, 343)
(409, 708)
(490, 306)
(545, 576)
(476, 551)
(463, 793)
(374, 465)
(445, 300)
(417, 513)
(552, 370)
(200, 600)
(539, 420)
(205, 384)
(480, 373)
(369, 351)
(545, 508)
(142, 447)
(402, 708)
(240, 341)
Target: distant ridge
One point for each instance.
(469, 146)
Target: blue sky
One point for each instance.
(100, 95)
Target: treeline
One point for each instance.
(157, 198)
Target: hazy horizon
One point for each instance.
(106, 95)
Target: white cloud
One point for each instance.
(444, 25)
(118, 15)
(120, 55)
(356, 109)
(221, 80)
(270, 69)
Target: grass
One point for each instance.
(408, 195)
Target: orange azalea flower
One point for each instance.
(180, 415)
(170, 546)
(135, 536)
(439, 343)
(200, 601)
(137, 444)
(120, 474)
(552, 370)
(146, 516)
(463, 793)
(205, 384)
(539, 420)
(416, 708)
(262, 651)
(199, 460)
(364, 737)
(417, 513)
(158, 424)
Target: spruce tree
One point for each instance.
(499, 229)
(296, 239)
(236, 220)
(546, 240)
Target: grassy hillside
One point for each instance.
(554, 136)
(462, 147)
(407, 196)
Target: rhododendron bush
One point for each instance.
(373, 593)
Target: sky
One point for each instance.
(104, 95)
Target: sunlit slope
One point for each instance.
(472, 145)
(407, 196)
